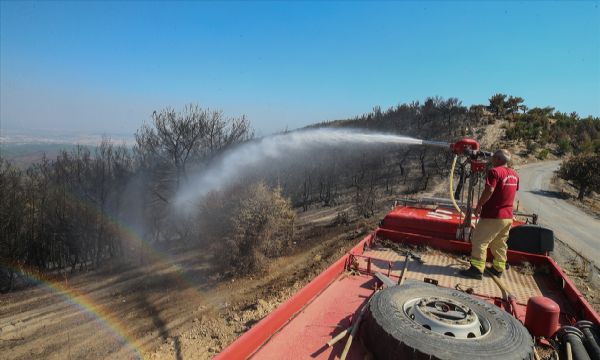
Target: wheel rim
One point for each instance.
(447, 317)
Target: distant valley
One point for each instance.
(26, 147)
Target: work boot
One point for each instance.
(495, 272)
(472, 273)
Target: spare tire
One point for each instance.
(390, 330)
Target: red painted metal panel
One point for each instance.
(574, 295)
(251, 341)
(328, 314)
(440, 223)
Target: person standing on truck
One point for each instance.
(495, 210)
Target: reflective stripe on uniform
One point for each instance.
(479, 264)
(499, 265)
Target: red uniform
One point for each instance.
(505, 182)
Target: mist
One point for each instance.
(236, 162)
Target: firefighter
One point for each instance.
(495, 210)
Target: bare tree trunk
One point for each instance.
(306, 193)
(422, 162)
(582, 192)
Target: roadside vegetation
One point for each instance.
(584, 172)
(545, 131)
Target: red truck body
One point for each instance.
(301, 327)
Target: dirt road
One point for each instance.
(570, 224)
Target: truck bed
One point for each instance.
(301, 327)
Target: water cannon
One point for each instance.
(466, 147)
(472, 168)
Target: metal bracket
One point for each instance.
(385, 280)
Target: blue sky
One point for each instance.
(104, 67)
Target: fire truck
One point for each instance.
(397, 293)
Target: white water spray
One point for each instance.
(234, 162)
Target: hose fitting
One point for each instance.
(591, 339)
(572, 340)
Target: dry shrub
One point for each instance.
(342, 218)
(248, 225)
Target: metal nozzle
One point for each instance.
(437, 143)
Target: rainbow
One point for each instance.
(85, 302)
(130, 237)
